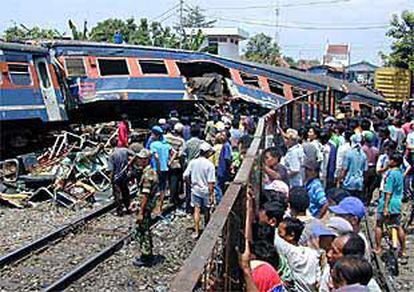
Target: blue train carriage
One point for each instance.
(30, 97)
(105, 80)
(146, 81)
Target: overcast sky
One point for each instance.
(251, 16)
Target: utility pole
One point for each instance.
(277, 11)
(181, 22)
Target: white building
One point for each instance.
(223, 41)
(337, 56)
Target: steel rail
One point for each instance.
(67, 279)
(384, 277)
(52, 236)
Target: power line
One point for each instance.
(311, 3)
(165, 12)
(292, 26)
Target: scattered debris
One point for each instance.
(72, 172)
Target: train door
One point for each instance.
(47, 89)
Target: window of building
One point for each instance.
(223, 40)
(20, 74)
(109, 67)
(249, 79)
(75, 67)
(232, 40)
(153, 67)
(276, 87)
(236, 42)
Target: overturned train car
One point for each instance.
(71, 81)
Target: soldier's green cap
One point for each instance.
(144, 153)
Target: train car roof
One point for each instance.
(292, 76)
(24, 48)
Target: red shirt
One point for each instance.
(123, 132)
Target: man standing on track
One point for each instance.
(147, 190)
(201, 175)
(118, 164)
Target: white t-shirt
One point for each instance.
(202, 172)
(293, 160)
(340, 155)
(303, 262)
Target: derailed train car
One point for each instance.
(30, 95)
(138, 79)
(76, 81)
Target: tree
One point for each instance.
(194, 41)
(78, 35)
(194, 17)
(105, 30)
(260, 48)
(22, 33)
(402, 48)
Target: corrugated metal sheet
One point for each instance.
(393, 83)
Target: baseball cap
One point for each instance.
(157, 130)
(162, 121)
(338, 225)
(350, 205)
(205, 147)
(144, 153)
(311, 164)
(329, 119)
(178, 127)
(319, 229)
(278, 186)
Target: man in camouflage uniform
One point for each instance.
(147, 191)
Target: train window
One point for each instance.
(44, 77)
(153, 67)
(276, 87)
(75, 67)
(249, 79)
(113, 67)
(296, 92)
(20, 74)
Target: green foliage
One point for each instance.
(76, 34)
(262, 49)
(193, 42)
(104, 31)
(22, 33)
(194, 17)
(402, 48)
(142, 33)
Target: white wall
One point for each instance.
(228, 50)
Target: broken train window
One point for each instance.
(75, 67)
(276, 87)
(249, 79)
(153, 67)
(113, 67)
(20, 74)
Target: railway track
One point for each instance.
(403, 281)
(56, 260)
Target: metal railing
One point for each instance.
(213, 263)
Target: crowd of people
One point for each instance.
(319, 183)
(188, 162)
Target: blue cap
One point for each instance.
(349, 206)
(318, 229)
(157, 130)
